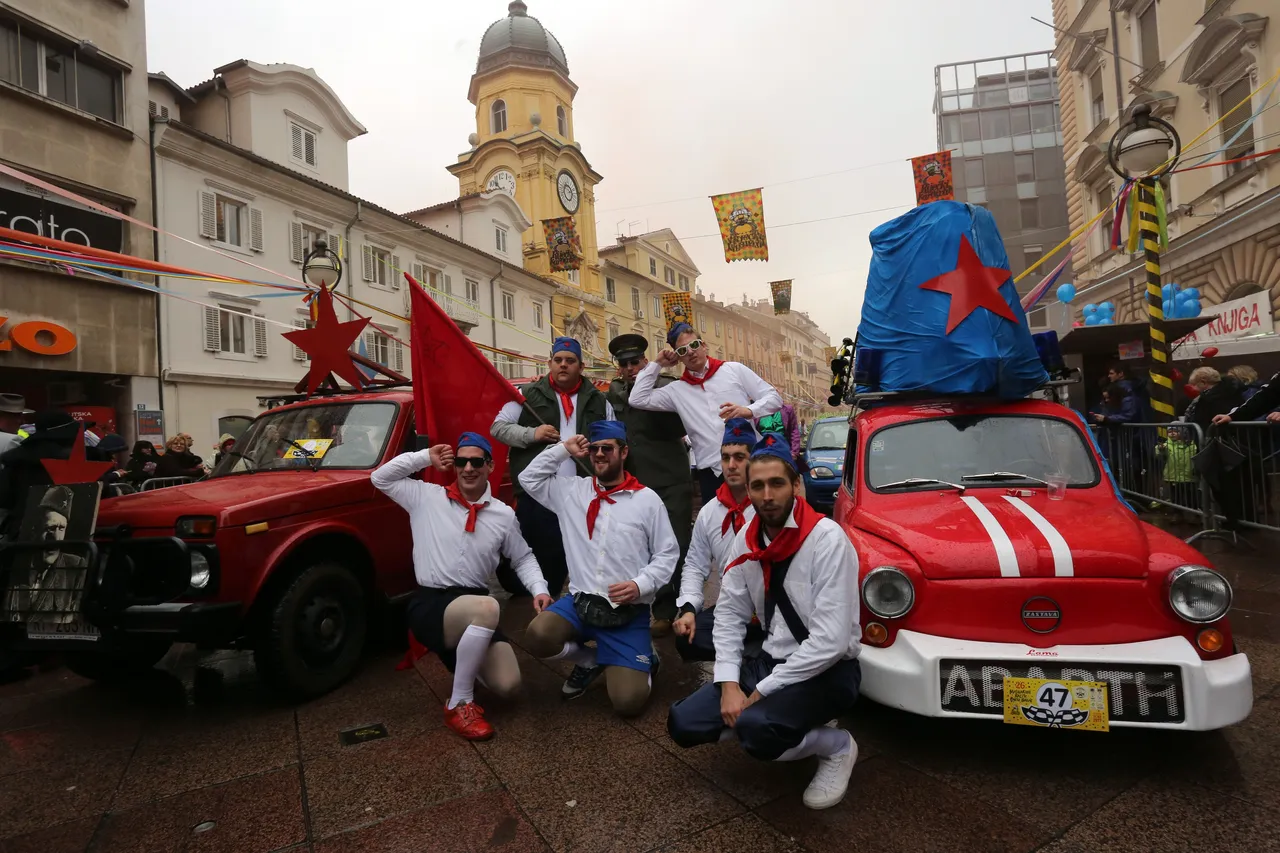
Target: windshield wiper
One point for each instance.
(1004, 475)
(309, 455)
(252, 464)
(921, 481)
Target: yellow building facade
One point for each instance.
(524, 145)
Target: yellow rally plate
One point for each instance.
(1054, 704)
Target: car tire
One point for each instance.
(130, 657)
(314, 633)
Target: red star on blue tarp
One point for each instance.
(971, 286)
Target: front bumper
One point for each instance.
(907, 674)
(821, 493)
(209, 624)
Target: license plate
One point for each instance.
(1056, 704)
(1136, 693)
(78, 629)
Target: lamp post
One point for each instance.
(321, 266)
(1142, 150)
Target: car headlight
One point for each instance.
(1199, 594)
(196, 527)
(200, 573)
(888, 592)
(821, 471)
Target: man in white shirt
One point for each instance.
(712, 547)
(459, 533)
(562, 403)
(710, 391)
(799, 570)
(621, 550)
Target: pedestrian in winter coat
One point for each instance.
(226, 442)
(142, 463)
(20, 468)
(179, 461)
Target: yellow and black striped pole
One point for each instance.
(1149, 233)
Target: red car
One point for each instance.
(996, 557)
(286, 549)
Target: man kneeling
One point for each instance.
(793, 563)
(620, 549)
(459, 533)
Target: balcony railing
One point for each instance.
(463, 313)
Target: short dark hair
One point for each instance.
(1118, 367)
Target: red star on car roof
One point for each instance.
(78, 468)
(971, 286)
(329, 345)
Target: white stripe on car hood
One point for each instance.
(1005, 555)
(1063, 565)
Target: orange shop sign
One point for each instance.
(36, 336)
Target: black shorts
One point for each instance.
(425, 614)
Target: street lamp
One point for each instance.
(1142, 150)
(321, 266)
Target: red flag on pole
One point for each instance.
(455, 388)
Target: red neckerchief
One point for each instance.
(628, 484)
(455, 495)
(566, 397)
(785, 544)
(713, 364)
(737, 512)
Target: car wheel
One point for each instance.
(129, 657)
(314, 633)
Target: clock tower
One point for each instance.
(524, 145)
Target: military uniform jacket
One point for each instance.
(657, 455)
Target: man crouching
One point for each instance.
(795, 564)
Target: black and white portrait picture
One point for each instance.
(46, 586)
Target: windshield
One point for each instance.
(335, 435)
(829, 436)
(950, 449)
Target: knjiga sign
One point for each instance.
(1247, 317)
(932, 174)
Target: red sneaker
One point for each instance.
(468, 721)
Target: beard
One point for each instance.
(609, 471)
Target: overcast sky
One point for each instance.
(677, 100)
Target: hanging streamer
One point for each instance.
(1134, 218)
(1162, 217)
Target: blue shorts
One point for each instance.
(628, 646)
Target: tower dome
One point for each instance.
(519, 39)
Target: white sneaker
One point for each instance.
(832, 779)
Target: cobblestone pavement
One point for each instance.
(83, 767)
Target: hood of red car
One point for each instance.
(989, 533)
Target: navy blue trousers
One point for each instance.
(777, 722)
(703, 648)
(708, 482)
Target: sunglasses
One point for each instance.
(603, 449)
(630, 362)
(692, 346)
(474, 461)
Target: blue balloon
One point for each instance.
(1168, 307)
(1107, 309)
(1107, 321)
(1190, 293)
(1066, 292)
(1169, 290)
(1092, 319)
(1090, 310)
(1192, 309)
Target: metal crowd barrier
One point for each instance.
(165, 482)
(1224, 479)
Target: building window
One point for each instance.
(1031, 254)
(995, 124)
(653, 268)
(304, 144)
(562, 122)
(635, 299)
(684, 283)
(702, 324)
(381, 267)
(498, 116)
(473, 291)
(610, 290)
(659, 343)
(57, 71)
(232, 323)
(500, 239)
(1232, 95)
(657, 308)
(1024, 167)
(1149, 37)
(303, 238)
(231, 216)
(155, 111)
(385, 350)
(508, 307)
(1029, 208)
(669, 275)
(613, 329)
(234, 331)
(1097, 101)
(1102, 198)
(574, 276)
(974, 174)
(1020, 121)
(537, 315)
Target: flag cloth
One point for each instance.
(563, 243)
(741, 218)
(941, 309)
(363, 350)
(677, 307)
(932, 173)
(781, 296)
(455, 388)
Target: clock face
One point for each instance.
(504, 181)
(567, 188)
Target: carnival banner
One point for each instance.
(563, 243)
(932, 173)
(781, 296)
(741, 218)
(677, 308)
(829, 353)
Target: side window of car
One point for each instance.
(851, 460)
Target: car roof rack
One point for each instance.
(1069, 376)
(326, 392)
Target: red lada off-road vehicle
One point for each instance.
(286, 549)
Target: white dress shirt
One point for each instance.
(633, 538)
(444, 553)
(709, 551)
(510, 414)
(699, 405)
(822, 583)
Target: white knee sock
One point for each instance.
(579, 655)
(471, 650)
(823, 742)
